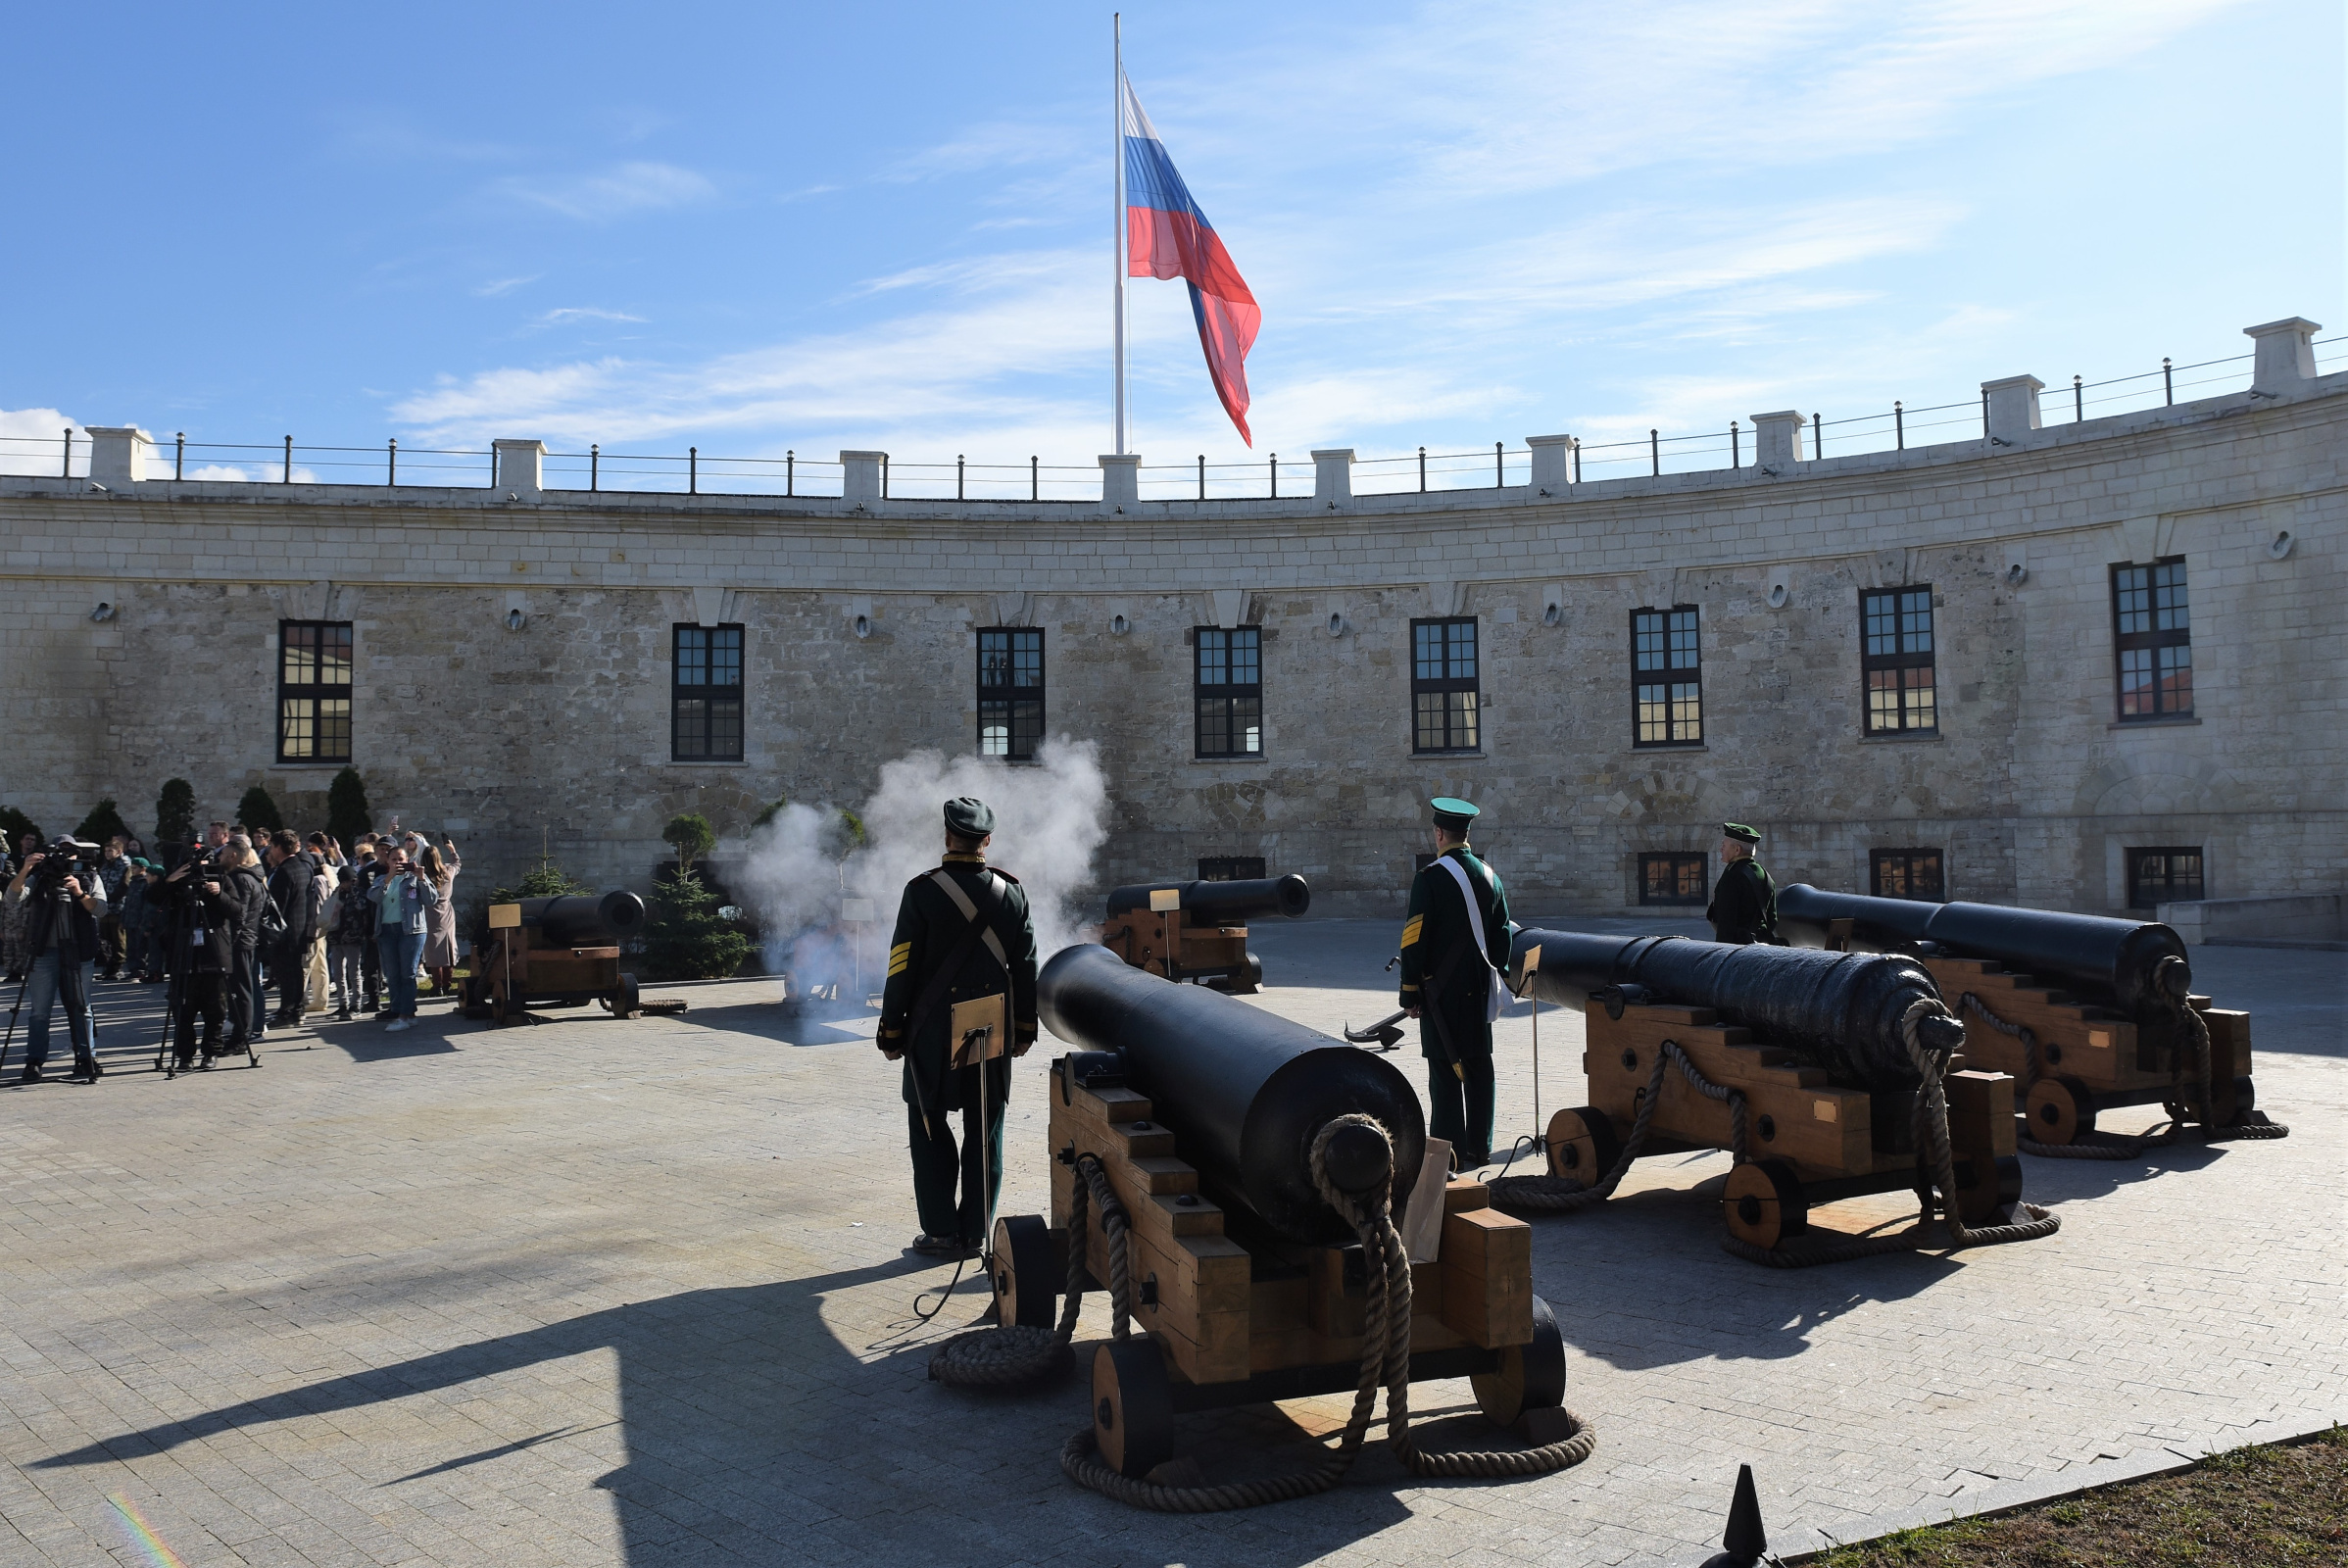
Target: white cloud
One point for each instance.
(617, 192)
(585, 312)
(32, 441)
(506, 285)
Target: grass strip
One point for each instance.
(2264, 1506)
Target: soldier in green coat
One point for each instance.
(962, 936)
(1447, 960)
(1744, 901)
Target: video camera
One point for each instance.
(63, 858)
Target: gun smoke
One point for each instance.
(1049, 820)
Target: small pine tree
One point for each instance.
(774, 808)
(176, 813)
(544, 880)
(693, 836)
(15, 825)
(685, 938)
(854, 826)
(347, 815)
(104, 822)
(257, 811)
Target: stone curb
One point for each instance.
(2011, 1496)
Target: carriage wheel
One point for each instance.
(2058, 1110)
(1133, 1407)
(624, 999)
(1989, 1186)
(504, 1007)
(1024, 1297)
(1762, 1203)
(1582, 1145)
(1530, 1376)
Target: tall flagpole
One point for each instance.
(1117, 250)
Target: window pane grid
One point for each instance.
(706, 701)
(314, 691)
(1666, 644)
(2164, 875)
(1896, 661)
(2152, 641)
(1010, 661)
(1445, 701)
(1228, 696)
(1907, 874)
(1672, 877)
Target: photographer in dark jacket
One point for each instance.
(61, 950)
(245, 892)
(201, 925)
(290, 874)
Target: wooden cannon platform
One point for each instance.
(2088, 1057)
(1181, 944)
(1235, 1315)
(1808, 1142)
(512, 966)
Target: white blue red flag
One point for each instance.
(1168, 236)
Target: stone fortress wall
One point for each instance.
(860, 619)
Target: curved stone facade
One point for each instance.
(860, 620)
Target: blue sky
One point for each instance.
(760, 228)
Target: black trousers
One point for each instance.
(289, 966)
(240, 993)
(939, 1167)
(370, 971)
(200, 996)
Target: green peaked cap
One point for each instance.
(1454, 814)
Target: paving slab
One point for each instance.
(636, 1293)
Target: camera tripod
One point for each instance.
(68, 991)
(167, 1061)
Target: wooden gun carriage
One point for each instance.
(1821, 1125)
(2087, 1013)
(1196, 930)
(561, 951)
(1244, 1294)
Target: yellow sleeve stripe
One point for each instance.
(899, 957)
(1410, 932)
(1410, 985)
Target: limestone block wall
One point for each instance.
(860, 619)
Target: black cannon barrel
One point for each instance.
(584, 921)
(1223, 901)
(2116, 962)
(1245, 1091)
(1838, 1010)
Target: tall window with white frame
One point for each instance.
(1445, 686)
(2153, 639)
(1011, 692)
(314, 691)
(1667, 677)
(1896, 659)
(704, 707)
(1228, 670)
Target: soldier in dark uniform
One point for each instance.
(1447, 960)
(1744, 901)
(962, 935)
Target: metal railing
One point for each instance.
(285, 462)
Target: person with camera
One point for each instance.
(62, 902)
(404, 902)
(291, 877)
(200, 918)
(241, 884)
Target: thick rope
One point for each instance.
(1015, 1354)
(2113, 1145)
(1384, 1359)
(1562, 1195)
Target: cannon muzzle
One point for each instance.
(583, 921)
(1221, 902)
(2116, 963)
(1245, 1091)
(1841, 1011)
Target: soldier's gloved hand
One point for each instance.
(893, 1056)
(1412, 1011)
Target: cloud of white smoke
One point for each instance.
(1049, 819)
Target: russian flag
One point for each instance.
(1167, 237)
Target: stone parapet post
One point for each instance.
(522, 467)
(1332, 473)
(1778, 440)
(118, 453)
(2013, 406)
(1120, 476)
(861, 475)
(1552, 462)
(2286, 354)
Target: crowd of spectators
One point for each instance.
(223, 923)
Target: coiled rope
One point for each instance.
(1386, 1359)
(1019, 1354)
(1556, 1195)
(2112, 1146)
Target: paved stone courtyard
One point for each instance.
(596, 1293)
